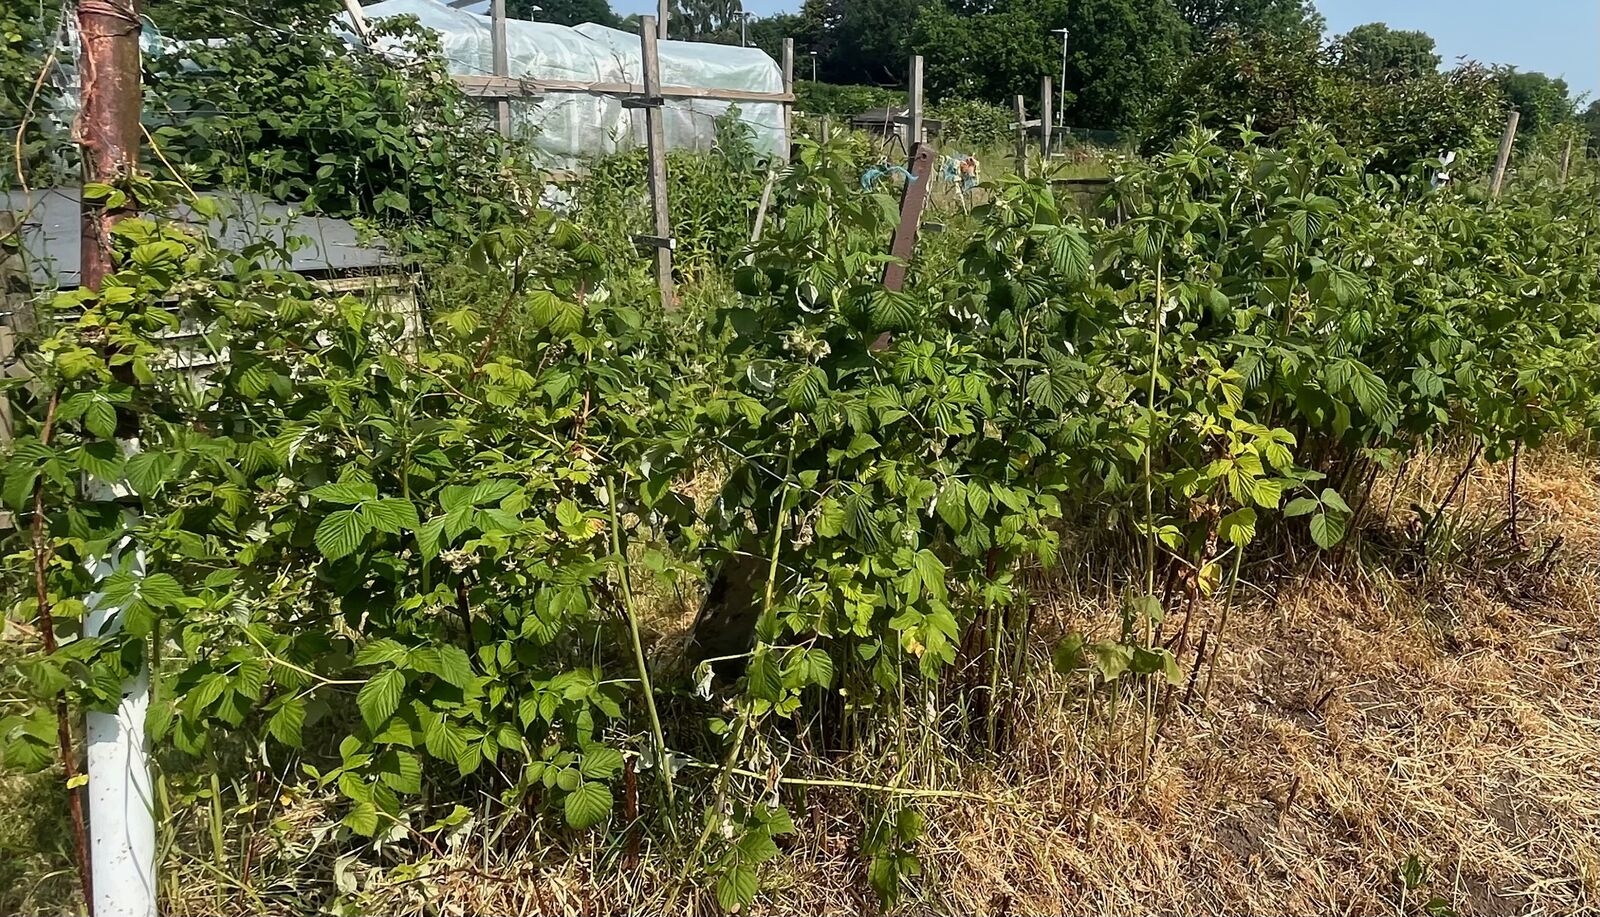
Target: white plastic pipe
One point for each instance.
(122, 826)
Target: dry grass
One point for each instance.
(1349, 730)
(1360, 716)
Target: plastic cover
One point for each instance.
(566, 128)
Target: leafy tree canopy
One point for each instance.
(1280, 17)
(1376, 52)
(564, 12)
(1544, 101)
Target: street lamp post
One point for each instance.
(813, 66)
(744, 20)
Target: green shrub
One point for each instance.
(844, 101)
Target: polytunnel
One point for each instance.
(566, 126)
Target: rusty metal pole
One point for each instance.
(108, 125)
(121, 845)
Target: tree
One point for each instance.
(706, 20)
(1278, 17)
(1123, 54)
(564, 12)
(862, 41)
(1591, 121)
(768, 33)
(989, 56)
(1278, 82)
(198, 19)
(1544, 101)
(1378, 53)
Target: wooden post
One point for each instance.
(1566, 160)
(656, 145)
(912, 200)
(13, 279)
(788, 107)
(827, 128)
(914, 106)
(1022, 136)
(359, 20)
(502, 63)
(661, 19)
(1504, 159)
(761, 209)
(1047, 114)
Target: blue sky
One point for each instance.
(1560, 37)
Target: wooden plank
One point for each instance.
(1566, 160)
(1022, 136)
(662, 13)
(656, 145)
(502, 63)
(914, 104)
(1504, 159)
(912, 200)
(13, 284)
(761, 212)
(504, 87)
(788, 89)
(359, 20)
(1047, 104)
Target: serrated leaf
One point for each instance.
(1111, 659)
(161, 590)
(756, 847)
(1067, 656)
(1238, 528)
(392, 515)
(340, 533)
(453, 666)
(737, 887)
(145, 472)
(600, 762)
(1327, 529)
(362, 819)
(588, 805)
(952, 505)
(287, 721)
(379, 697)
(101, 419)
(1300, 506)
(347, 493)
(383, 651)
(401, 771)
(1331, 498)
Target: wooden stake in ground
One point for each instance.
(912, 200)
(1566, 160)
(761, 212)
(13, 280)
(656, 146)
(788, 107)
(502, 61)
(1022, 136)
(914, 106)
(1504, 159)
(1046, 115)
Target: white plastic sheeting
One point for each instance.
(568, 127)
